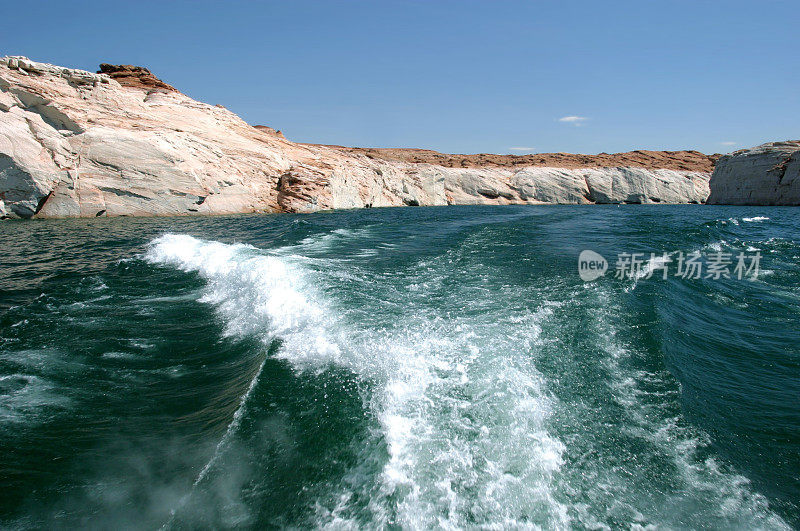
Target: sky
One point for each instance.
(455, 76)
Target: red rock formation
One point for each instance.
(668, 160)
(134, 76)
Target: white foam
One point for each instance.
(716, 246)
(460, 407)
(756, 219)
(464, 421)
(653, 264)
(256, 294)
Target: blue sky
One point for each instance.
(460, 77)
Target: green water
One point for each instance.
(430, 367)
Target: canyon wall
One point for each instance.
(122, 142)
(768, 174)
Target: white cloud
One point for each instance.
(521, 149)
(577, 121)
(728, 143)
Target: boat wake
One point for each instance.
(471, 392)
(460, 408)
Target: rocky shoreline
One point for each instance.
(121, 142)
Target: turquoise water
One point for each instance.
(398, 367)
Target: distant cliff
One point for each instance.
(123, 142)
(768, 174)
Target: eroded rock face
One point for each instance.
(768, 174)
(73, 143)
(133, 76)
(121, 142)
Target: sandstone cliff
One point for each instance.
(123, 142)
(768, 174)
